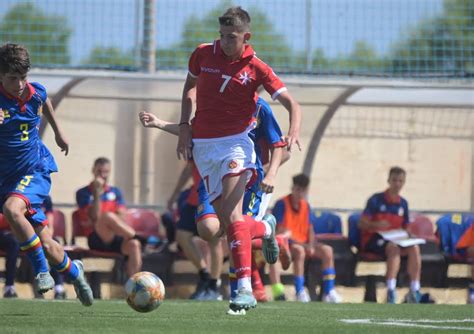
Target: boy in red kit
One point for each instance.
(225, 76)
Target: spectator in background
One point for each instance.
(388, 211)
(293, 215)
(11, 247)
(102, 212)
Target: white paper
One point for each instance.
(401, 238)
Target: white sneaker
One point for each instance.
(332, 297)
(303, 297)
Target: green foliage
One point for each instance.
(45, 36)
(443, 44)
(110, 57)
(270, 46)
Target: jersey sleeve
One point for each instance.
(82, 198)
(194, 66)
(40, 91)
(120, 200)
(279, 211)
(406, 213)
(371, 208)
(270, 126)
(270, 81)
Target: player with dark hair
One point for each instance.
(25, 168)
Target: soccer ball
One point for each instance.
(145, 291)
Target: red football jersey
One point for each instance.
(226, 90)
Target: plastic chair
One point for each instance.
(145, 222)
(422, 227)
(326, 222)
(59, 224)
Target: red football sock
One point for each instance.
(256, 279)
(240, 245)
(257, 228)
(257, 244)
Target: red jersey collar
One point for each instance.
(390, 199)
(248, 50)
(21, 103)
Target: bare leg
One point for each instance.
(132, 248)
(392, 252)
(110, 224)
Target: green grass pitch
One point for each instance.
(46, 316)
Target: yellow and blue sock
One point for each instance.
(67, 267)
(329, 277)
(35, 253)
(299, 283)
(232, 282)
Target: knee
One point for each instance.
(415, 250)
(298, 253)
(132, 246)
(327, 252)
(208, 231)
(392, 250)
(12, 210)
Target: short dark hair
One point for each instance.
(14, 58)
(301, 180)
(396, 171)
(101, 161)
(236, 17)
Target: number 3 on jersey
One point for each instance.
(24, 131)
(226, 81)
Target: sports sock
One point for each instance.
(391, 283)
(213, 284)
(258, 229)
(232, 282)
(67, 267)
(240, 243)
(299, 283)
(34, 250)
(256, 279)
(414, 285)
(204, 275)
(329, 277)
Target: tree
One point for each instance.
(269, 45)
(110, 57)
(45, 36)
(440, 45)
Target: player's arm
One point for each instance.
(294, 110)
(267, 183)
(186, 174)
(97, 190)
(368, 224)
(2, 116)
(185, 138)
(149, 120)
(311, 239)
(48, 112)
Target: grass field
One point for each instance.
(46, 316)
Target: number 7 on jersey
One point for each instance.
(226, 81)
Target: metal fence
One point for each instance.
(383, 38)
